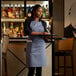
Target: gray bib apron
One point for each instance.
(35, 51)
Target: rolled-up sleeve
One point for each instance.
(27, 29)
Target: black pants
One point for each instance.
(32, 71)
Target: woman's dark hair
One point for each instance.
(34, 8)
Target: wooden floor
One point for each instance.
(14, 65)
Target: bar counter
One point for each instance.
(16, 58)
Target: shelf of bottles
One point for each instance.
(44, 4)
(12, 16)
(13, 29)
(16, 10)
(12, 11)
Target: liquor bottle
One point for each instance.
(17, 11)
(14, 33)
(29, 14)
(44, 14)
(18, 34)
(21, 12)
(46, 11)
(13, 12)
(21, 30)
(11, 30)
(11, 27)
(28, 11)
(4, 14)
(22, 33)
(22, 26)
(10, 12)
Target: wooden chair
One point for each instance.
(64, 48)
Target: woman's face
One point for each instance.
(38, 12)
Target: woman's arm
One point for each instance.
(39, 33)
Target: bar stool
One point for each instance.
(64, 48)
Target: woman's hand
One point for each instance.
(47, 37)
(46, 33)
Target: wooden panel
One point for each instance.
(14, 65)
(74, 56)
(58, 16)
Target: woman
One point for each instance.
(35, 51)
